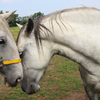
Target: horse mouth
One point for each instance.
(29, 92)
(33, 89)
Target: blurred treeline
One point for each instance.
(21, 20)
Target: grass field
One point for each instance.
(61, 82)
(15, 31)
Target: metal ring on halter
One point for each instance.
(1, 63)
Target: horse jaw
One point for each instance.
(7, 15)
(20, 26)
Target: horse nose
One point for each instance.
(35, 89)
(19, 79)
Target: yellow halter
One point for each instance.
(9, 62)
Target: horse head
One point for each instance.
(34, 59)
(10, 66)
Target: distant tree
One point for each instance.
(13, 20)
(23, 20)
(1, 12)
(7, 11)
(35, 15)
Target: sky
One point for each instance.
(29, 7)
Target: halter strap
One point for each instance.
(9, 62)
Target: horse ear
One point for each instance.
(29, 27)
(7, 15)
(20, 26)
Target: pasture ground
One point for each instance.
(62, 81)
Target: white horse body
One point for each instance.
(73, 33)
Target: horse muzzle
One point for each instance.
(12, 83)
(32, 89)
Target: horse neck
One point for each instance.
(77, 41)
(75, 34)
(88, 63)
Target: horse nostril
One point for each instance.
(19, 79)
(21, 54)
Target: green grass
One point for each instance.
(15, 31)
(62, 76)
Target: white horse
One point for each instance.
(72, 33)
(10, 66)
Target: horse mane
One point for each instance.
(39, 28)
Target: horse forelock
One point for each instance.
(39, 29)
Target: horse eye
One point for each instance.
(2, 41)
